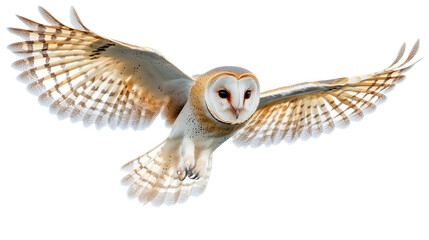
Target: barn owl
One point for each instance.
(86, 77)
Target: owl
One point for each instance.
(86, 77)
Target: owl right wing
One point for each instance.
(309, 109)
(100, 81)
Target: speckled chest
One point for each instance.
(203, 133)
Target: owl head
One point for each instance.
(231, 94)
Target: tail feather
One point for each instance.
(153, 177)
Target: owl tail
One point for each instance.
(153, 176)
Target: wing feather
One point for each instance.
(49, 18)
(309, 109)
(100, 81)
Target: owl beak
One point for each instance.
(236, 112)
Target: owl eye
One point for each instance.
(247, 94)
(223, 94)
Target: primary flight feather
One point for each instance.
(85, 77)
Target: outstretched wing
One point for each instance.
(309, 109)
(89, 78)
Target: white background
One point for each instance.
(59, 180)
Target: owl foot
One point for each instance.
(191, 170)
(194, 175)
(185, 169)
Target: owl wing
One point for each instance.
(309, 109)
(89, 78)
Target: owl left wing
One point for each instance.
(309, 109)
(86, 77)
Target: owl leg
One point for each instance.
(200, 164)
(187, 159)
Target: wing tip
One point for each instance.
(417, 43)
(42, 10)
(12, 47)
(75, 19)
(411, 55)
(21, 17)
(19, 65)
(31, 24)
(12, 30)
(48, 17)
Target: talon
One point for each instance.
(194, 176)
(182, 174)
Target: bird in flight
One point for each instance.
(86, 77)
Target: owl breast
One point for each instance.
(196, 124)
